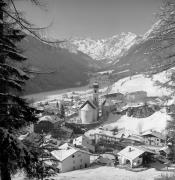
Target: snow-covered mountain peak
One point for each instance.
(106, 48)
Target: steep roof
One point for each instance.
(88, 102)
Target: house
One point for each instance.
(107, 107)
(134, 156)
(115, 96)
(112, 102)
(136, 97)
(154, 138)
(71, 159)
(166, 152)
(108, 139)
(84, 141)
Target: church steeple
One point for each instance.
(95, 93)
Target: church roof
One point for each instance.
(88, 102)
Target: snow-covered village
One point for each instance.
(87, 90)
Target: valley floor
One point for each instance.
(111, 173)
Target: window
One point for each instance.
(81, 160)
(73, 156)
(73, 161)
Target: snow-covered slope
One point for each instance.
(108, 48)
(142, 83)
(156, 121)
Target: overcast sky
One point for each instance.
(92, 18)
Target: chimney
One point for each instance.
(130, 149)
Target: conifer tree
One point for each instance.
(160, 45)
(62, 112)
(15, 112)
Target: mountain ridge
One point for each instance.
(102, 49)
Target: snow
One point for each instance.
(156, 121)
(107, 48)
(127, 70)
(98, 131)
(142, 83)
(108, 173)
(104, 72)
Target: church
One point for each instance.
(89, 111)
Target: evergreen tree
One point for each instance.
(161, 50)
(160, 41)
(62, 112)
(15, 112)
(43, 148)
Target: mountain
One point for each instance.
(55, 68)
(137, 58)
(69, 64)
(102, 49)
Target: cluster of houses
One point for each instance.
(128, 149)
(77, 151)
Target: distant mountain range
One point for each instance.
(108, 49)
(66, 65)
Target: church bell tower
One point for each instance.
(95, 93)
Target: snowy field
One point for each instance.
(110, 173)
(142, 83)
(156, 121)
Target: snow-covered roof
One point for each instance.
(131, 152)
(63, 153)
(154, 133)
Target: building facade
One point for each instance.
(71, 159)
(153, 138)
(84, 142)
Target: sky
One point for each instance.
(91, 18)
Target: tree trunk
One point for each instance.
(5, 173)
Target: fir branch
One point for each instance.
(15, 55)
(16, 71)
(30, 31)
